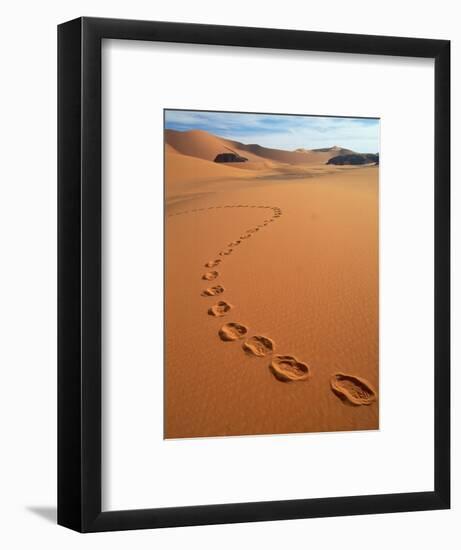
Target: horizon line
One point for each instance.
(298, 149)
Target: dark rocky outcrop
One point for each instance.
(355, 159)
(229, 157)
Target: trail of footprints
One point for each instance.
(285, 368)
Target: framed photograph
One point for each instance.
(254, 274)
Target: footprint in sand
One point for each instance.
(233, 243)
(355, 390)
(212, 263)
(259, 346)
(287, 368)
(210, 275)
(213, 291)
(232, 331)
(246, 236)
(220, 309)
(226, 252)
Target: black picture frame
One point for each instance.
(79, 274)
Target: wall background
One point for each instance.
(28, 271)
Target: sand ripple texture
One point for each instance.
(245, 387)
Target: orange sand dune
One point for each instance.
(289, 157)
(201, 144)
(271, 305)
(186, 175)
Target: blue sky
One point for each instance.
(282, 131)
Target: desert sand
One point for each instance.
(271, 304)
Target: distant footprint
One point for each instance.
(220, 309)
(226, 252)
(353, 389)
(210, 275)
(233, 243)
(259, 346)
(287, 368)
(213, 291)
(232, 331)
(212, 263)
(246, 236)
